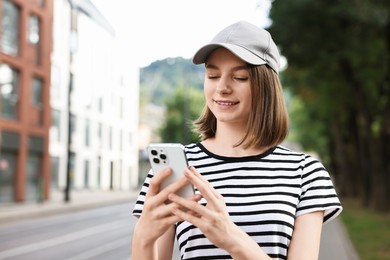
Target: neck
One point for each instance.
(226, 139)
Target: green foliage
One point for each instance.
(181, 110)
(338, 72)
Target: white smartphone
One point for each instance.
(172, 155)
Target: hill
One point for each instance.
(161, 78)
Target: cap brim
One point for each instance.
(242, 53)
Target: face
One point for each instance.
(227, 87)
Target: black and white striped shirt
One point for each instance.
(263, 194)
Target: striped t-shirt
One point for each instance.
(263, 194)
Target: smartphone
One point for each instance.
(172, 155)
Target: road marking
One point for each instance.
(62, 239)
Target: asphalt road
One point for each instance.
(102, 233)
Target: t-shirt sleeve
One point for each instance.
(139, 204)
(318, 191)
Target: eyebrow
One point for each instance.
(241, 67)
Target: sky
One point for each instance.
(150, 30)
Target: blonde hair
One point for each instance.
(268, 120)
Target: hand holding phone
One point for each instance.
(172, 155)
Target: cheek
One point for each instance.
(207, 91)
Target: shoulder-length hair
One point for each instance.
(268, 120)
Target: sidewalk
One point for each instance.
(79, 200)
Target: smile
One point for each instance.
(226, 103)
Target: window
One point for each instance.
(33, 36)
(55, 171)
(99, 171)
(100, 134)
(55, 120)
(33, 29)
(9, 92)
(86, 174)
(36, 112)
(36, 96)
(87, 127)
(100, 105)
(34, 189)
(10, 28)
(7, 173)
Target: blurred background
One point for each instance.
(86, 85)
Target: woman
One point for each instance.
(255, 199)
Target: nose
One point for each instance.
(223, 86)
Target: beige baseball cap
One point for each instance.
(248, 42)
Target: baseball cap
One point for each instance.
(248, 42)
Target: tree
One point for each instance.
(338, 56)
(181, 109)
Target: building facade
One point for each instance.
(70, 118)
(26, 33)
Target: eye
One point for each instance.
(240, 78)
(213, 76)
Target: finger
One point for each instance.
(156, 180)
(189, 205)
(189, 216)
(205, 188)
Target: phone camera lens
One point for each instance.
(153, 152)
(163, 156)
(156, 160)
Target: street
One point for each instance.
(102, 233)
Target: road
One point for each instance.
(103, 233)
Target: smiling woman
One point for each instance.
(255, 199)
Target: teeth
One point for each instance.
(226, 103)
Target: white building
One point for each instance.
(104, 102)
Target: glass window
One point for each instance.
(7, 173)
(55, 171)
(86, 174)
(10, 28)
(87, 127)
(36, 97)
(72, 161)
(99, 171)
(100, 101)
(33, 29)
(36, 113)
(33, 36)
(9, 92)
(55, 120)
(34, 188)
